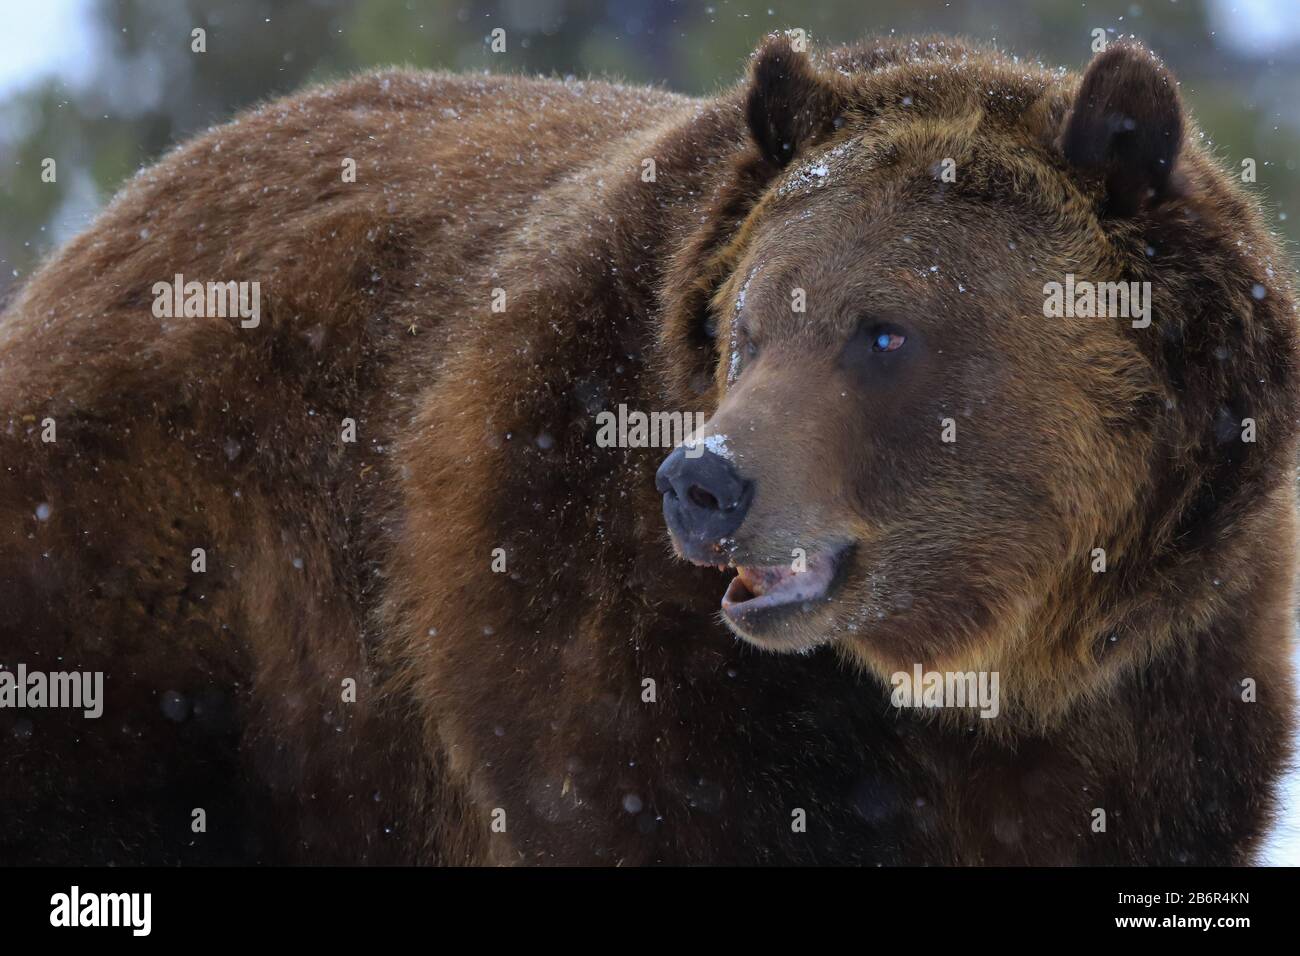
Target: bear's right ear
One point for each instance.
(1126, 126)
(789, 104)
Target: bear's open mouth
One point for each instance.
(756, 590)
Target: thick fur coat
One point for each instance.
(500, 272)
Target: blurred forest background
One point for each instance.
(106, 86)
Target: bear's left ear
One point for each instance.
(789, 104)
(1126, 125)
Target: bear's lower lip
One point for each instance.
(757, 590)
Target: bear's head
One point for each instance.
(924, 449)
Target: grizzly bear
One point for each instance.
(299, 456)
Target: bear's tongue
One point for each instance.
(755, 586)
(759, 580)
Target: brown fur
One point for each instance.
(523, 691)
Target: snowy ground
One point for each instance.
(1283, 845)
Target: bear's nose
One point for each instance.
(705, 498)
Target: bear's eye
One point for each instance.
(863, 349)
(883, 340)
(746, 340)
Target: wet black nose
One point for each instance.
(705, 498)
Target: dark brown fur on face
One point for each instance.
(521, 697)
